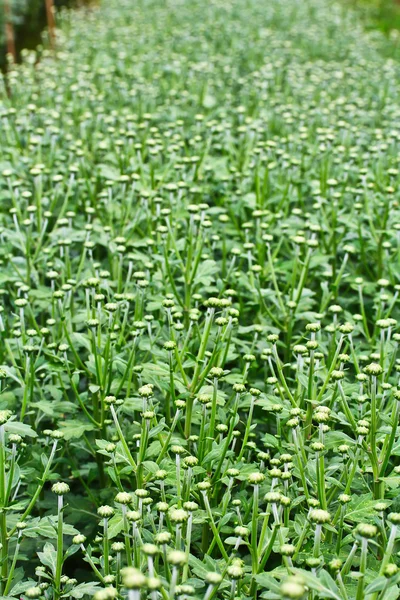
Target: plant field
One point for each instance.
(199, 282)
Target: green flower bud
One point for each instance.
(60, 488)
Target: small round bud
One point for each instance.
(153, 583)
(366, 530)
(287, 549)
(108, 593)
(60, 488)
(149, 549)
(123, 498)
(272, 497)
(373, 369)
(33, 592)
(164, 537)
(105, 512)
(177, 558)
(190, 506)
(213, 578)
(5, 415)
(79, 539)
(242, 531)
(335, 565)
(313, 327)
(255, 478)
(337, 375)
(391, 570)
(146, 391)
(293, 589)
(320, 516)
(235, 571)
(203, 486)
(132, 578)
(344, 498)
(118, 546)
(178, 515)
(394, 518)
(133, 516)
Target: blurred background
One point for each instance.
(381, 14)
(24, 22)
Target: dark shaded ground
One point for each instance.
(380, 14)
(29, 28)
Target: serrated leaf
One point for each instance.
(151, 466)
(360, 508)
(315, 583)
(270, 441)
(20, 428)
(83, 589)
(75, 429)
(48, 557)
(205, 272)
(115, 526)
(377, 585)
(197, 567)
(268, 582)
(81, 340)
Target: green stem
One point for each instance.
(363, 568)
(214, 528)
(106, 552)
(210, 440)
(3, 521)
(122, 439)
(12, 568)
(60, 550)
(36, 495)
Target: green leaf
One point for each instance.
(159, 375)
(83, 589)
(197, 567)
(271, 441)
(267, 581)
(11, 373)
(157, 429)
(392, 481)
(115, 526)
(20, 428)
(55, 392)
(360, 508)
(109, 172)
(328, 581)
(316, 583)
(151, 466)
(94, 388)
(376, 586)
(20, 587)
(205, 272)
(75, 429)
(48, 557)
(43, 527)
(81, 340)
(69, 529)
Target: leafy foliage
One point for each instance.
(199, 223)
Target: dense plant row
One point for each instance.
(200, 249)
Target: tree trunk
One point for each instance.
(51, 23)
(9, 27)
